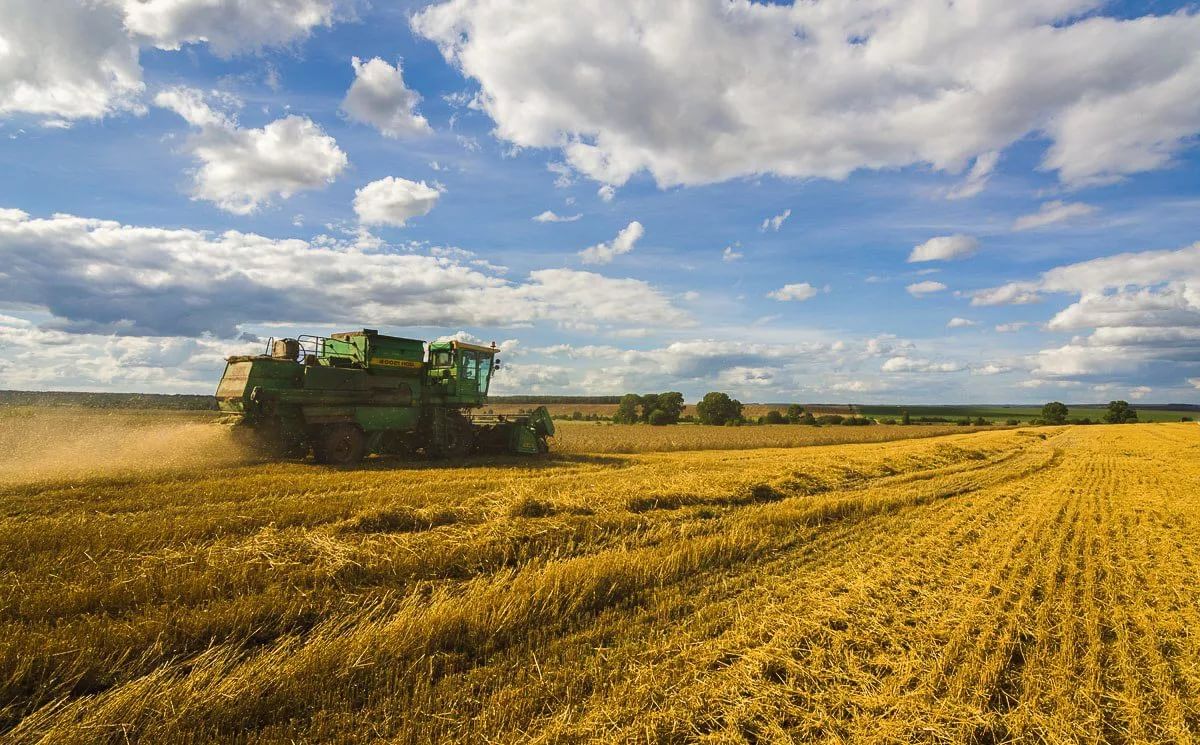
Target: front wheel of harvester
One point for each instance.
(340, 445)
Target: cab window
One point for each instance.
(468, 362)
(441, 358)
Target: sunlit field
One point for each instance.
(590, 437)
(1033, 584)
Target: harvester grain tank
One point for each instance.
(350, 394)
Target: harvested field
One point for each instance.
(1032, 584)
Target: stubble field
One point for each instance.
(986, 587)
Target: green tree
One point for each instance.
(718, 408)
(808, 418)
(658, 418)
(627, 410)
(648, 403)
(775, 417)
(794, 412)
(1054, 412)
(906, 419)
(1119, 412)
(671, 404)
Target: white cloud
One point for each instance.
(604, 253)
(798, 291)
(915, 365)
(817, 89)
(1194, 382)
(1008, 328)
(394, 201)
(1140, 392)
(229, 26)
(1052, 212)
(977, 177)
(776, 222)
(606, 192)
(944, 248)
(65, 59)
(378, 97)
(857, 386)
(98, 276)
(1141, 311)
(991, 368)
(1013, 293)
(958, 323)
(919, 289)
(242, 169)
(551, 216)
(730, 254)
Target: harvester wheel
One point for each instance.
(340, 445)
(460, 436)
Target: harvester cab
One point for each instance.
(358, 392)
(462, 372)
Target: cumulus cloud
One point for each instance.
(959, 323)
(1135, 313)
(920, 289)
(817, 89)
(57, 360)
(551, 216)
(379, 97)
(242, 169)
(604, 253)
(1052, 212)
(944, 248)
(229, 26)
(606, 192)
(394, 201)
(98, 276)
(798, 291)
(916, 365)
(776, 222)
(65, 59)
(1194, 382)
(731, 253)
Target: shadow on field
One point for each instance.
(514, 462)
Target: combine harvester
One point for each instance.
(361, 392)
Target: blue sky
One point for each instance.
(738, 190)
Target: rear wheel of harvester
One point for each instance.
(457, 440)
(340, 445)
(268, 438)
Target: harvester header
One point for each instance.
(349, 394)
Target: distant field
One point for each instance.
(1009, 585)
(1023, 413)
(587, 437)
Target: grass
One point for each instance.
(1003, 585)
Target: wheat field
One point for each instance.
(979, 587)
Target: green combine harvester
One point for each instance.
(360, 392)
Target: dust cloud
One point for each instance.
(52, 444)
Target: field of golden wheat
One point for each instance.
(980, 587)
